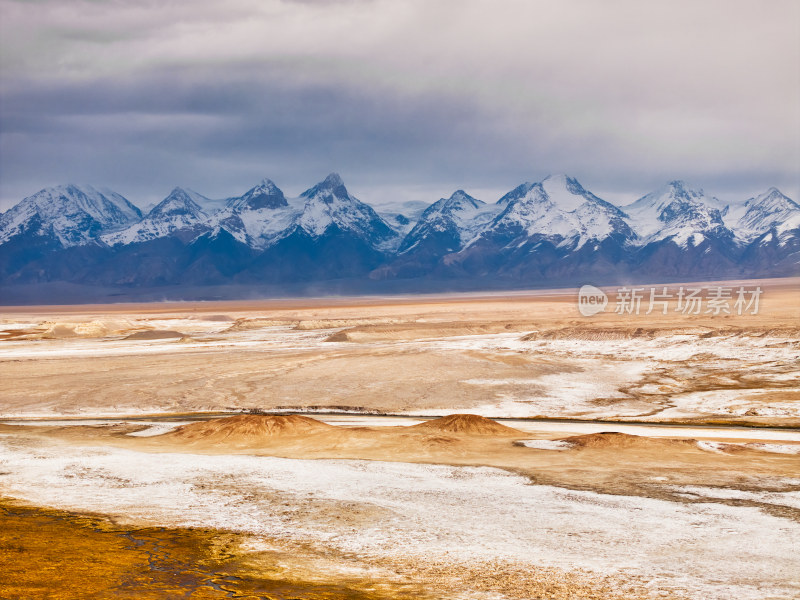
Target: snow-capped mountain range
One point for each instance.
(263, 215)
(180, 211)
(548, 231)
(72, 215)
(557, 208)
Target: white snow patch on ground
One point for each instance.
(547, 444)
(777, 448)
(721, 447)
(158, 428)
(593, 369)
(264, 339)
(713, 551)
(65, 422)
(198, 325)
(153, 427)
(788, 499)
(718, 447)
(731, 402)
(15, 326)
(601, 368)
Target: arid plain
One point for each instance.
(470, 446)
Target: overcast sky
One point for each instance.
(407, 99)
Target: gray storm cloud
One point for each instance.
(141, 96)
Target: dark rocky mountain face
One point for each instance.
(773, 254)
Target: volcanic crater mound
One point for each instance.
(467, 423)
(155, 334)
(612, 439)
(248, 428)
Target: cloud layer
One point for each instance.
(406, 98)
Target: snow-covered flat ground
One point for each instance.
(547, 444)
(708, 550)
(268, 338)
(788, 499)
(678, 375)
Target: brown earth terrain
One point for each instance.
(610, 463)
(60, 555)
(463, 359)
(514, 356)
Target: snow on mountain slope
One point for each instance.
(458, 218)
(401, 216)
(674, 212)
(263, 215)
(556, 212)
(259, 216)
(558, 208)
(179, 211)
(566, 193)
(769, 210)
(329, 204)
(260, 227)
(265, 195)
(180, 204)
(749, 219)
(72, 214)
(209, 205)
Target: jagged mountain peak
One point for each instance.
(329, 188)
(178, 202)
(559, 193)
(551, 228)
(565, 192)
(679, 185)
(462, 198)
(329, 204)
(557, 209)
(447, 223)
(72, 214)
(518, 192)
(103, 204)
(678, 188)
(325, 205)
(448, 208)
(768, 210)
(265, 186)
(267, 183)
(677, 212)
(562, 180)
(773, 197)
(659, 199)
(263, 195)
(180, 213)
(557, 178)
(333, 180)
